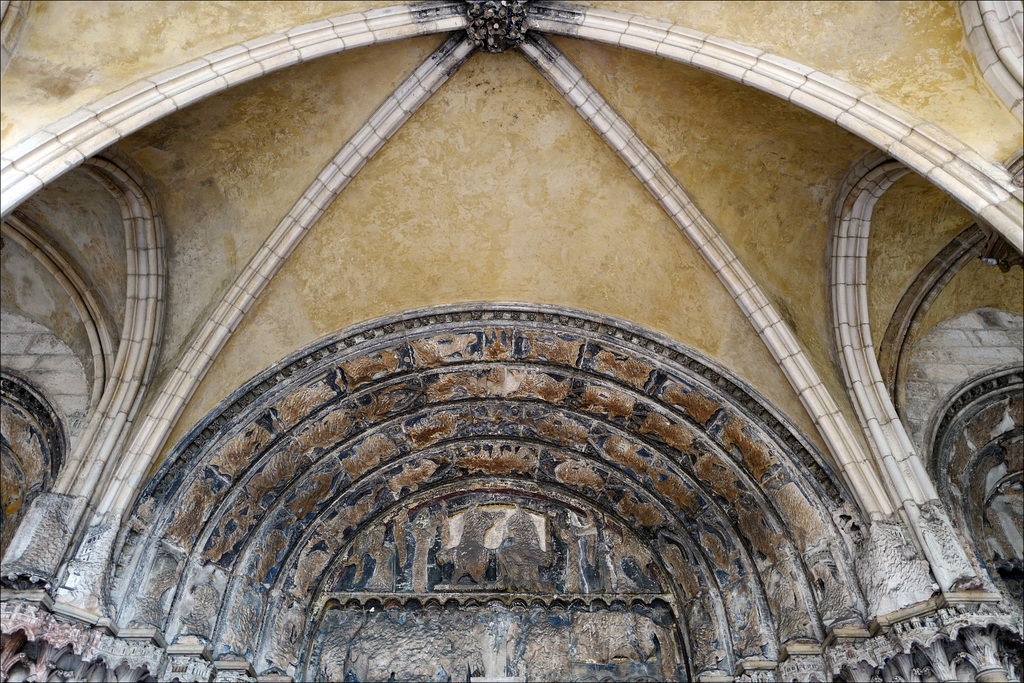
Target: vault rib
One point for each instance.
(99, 325)
(855, 467)
(59, 147)
(893, 451)
(983, 188)
(396, 109)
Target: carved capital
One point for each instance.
(35, 641)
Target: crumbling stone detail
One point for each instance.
(953, 643)
(979, 449)
(893, 572)
(32, 451)
(545, 479)
(34, 555)
(490, 454)
(519, 642)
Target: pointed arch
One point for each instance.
(272, 488)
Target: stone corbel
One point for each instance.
(33, 558)
(893, 573)
(188, 663)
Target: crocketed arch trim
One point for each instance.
(698, 452)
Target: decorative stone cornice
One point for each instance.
(950, 630)
(588, 601)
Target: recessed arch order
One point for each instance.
(257, 514)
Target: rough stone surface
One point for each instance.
(953, 352)
(34, 554)
(34, 352)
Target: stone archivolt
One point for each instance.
(32, 452)
(566, 462)
(558, 477)
(588, 416)
(978, 440)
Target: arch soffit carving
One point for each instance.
(292, 395)
(969, 436)
(21, 392)
(966, 399)
(984, 189)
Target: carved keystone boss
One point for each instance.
(496, 25)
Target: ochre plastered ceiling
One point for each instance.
(914, 55)
(229, 168)
(428, 223)
(524, 204)
(912, 222)
(613, 200)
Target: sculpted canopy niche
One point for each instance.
(497, 489)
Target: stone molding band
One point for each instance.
(13, 16)
(890, 445)
(994, 33)
(335, 176)
(142, 328)
(397, 326)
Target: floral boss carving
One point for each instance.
(496, 25)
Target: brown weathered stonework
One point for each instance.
(459, 405)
